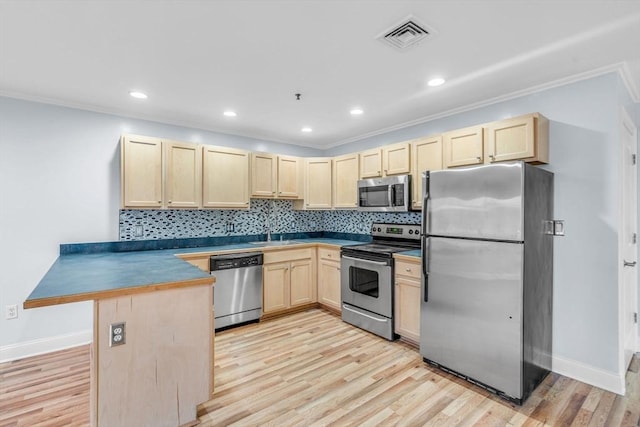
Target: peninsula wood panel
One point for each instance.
(165, 367)
(225, 178)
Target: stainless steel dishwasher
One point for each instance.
(237, 293)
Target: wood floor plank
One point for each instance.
(312, 369)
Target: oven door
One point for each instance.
(367, 284)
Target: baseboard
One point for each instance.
(44, 345)
(606, 380)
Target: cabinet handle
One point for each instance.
(378, 172)
(407, 269)
(246, 203)
(169, 201)
(491, 158)
(159, 201)
(479, 158)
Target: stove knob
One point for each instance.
(379, 229)
(410, 231)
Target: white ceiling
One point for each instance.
(196, 59)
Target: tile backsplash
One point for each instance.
(147, 224)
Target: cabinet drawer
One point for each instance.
(287, 255)
(408, 269)
(330, 254)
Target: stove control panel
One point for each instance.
(402, 231)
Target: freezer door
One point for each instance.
(484, 202)
(472, 322)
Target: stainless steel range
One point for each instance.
(367, 277)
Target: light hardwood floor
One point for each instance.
(310, 368)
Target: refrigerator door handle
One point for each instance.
(425, 203)
(425, 266)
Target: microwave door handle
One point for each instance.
(390, 196)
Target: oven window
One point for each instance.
(364, 281)
(374, 197)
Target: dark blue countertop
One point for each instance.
(88, 276)
(415, 253)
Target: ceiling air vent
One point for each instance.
(405, 34)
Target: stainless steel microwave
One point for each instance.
(389, 194)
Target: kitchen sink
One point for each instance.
(276, 243)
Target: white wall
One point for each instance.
(60, 183)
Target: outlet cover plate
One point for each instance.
(117, 334)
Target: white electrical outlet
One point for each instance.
(117, 334)
(12, 312)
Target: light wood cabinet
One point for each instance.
(288, 279)
(275, 176)
(329, 278)
(264, 174)
(384, 161)
(183, 175)
(407, 299)
(225, 178)
(371, 163)
(520, 138)
(395, 159)
(141, 172)
(317, 184)
(426, 154)
(345, 181)
(464, 147)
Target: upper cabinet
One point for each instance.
(426, 154)
(158, 173)
(345, 181)
(520, 138)
(317, 183)
(183, 175)
(275, 176)
(141, 172)
(225, 178)
(371, 163)
(395, 159)
(388, 160)
(464, 147)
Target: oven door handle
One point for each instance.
(365, 260)
(345, 307)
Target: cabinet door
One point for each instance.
(275, 283)
(225, 178)
(141, 166)
(302, 283)
(345, 181)
(329, 283)
(407, 316)
(371, 163)
(288, 176)
(426, 154)
(264, 169)
(520, 138)
(464, 147)
(183, 175)
(318, 183)
(396, 159)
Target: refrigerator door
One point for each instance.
(472, 322)
(484, 202)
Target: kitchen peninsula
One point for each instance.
(164, 369)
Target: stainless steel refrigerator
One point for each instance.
(487, 279)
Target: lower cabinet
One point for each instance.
(329, 278)
(407, 299)
(288, 280)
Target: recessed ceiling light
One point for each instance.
(137, 94)
(306, 129)
(356, 112)
(436, 82)
(230, 113)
